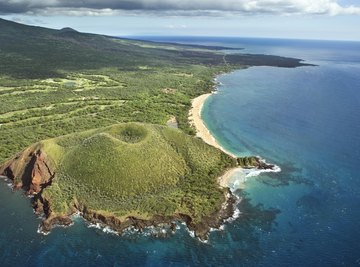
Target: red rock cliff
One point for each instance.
(29, 170)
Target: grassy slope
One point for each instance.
(58, 82)
(54, 83)
(136, 169)
(34, 52)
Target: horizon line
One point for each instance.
(237, 37)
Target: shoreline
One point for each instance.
(224, 180)
(203, 132)
(40, 172)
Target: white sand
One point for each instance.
(225, 179)
(202, 132)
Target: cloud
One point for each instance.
(177, 7)
(175, 26)
(28, 20)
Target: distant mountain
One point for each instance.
(31, 52)
(68, 29)
(37, 52)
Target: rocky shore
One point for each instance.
(32, 171)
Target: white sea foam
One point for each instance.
(191, 233)
(206, 241)
(155, 231)
(8, 182)
(10, 185)
(40, 231)
(240, 177)
(129, 231)
(148, 231)
(95, 225)
(77, 216)
(236, 213)
(220, 228)
(108, 230)
(64, 226)
(257, 172)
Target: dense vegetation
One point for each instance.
(136, 169)
(59, 82)
(56, 82)
(62, 82)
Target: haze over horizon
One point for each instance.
(294, 19)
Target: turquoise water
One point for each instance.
(306, 120)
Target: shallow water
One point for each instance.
(305, 120)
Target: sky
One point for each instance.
(299, 19)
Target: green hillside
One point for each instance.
(101, 103)
(135, 169)
(35, 52)
(57, 82)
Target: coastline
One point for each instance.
(34, 165)
(225, 178)
(203, 132)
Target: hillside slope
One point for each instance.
(128, 172)
(99, 103)
(36, 52)
(57, 82)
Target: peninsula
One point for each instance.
(82, 128)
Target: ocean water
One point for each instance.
(306, 120)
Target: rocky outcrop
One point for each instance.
(201, 229)
(214, 220)
(51, 222)
(254, 162)
(30, 170)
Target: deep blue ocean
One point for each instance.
(306, 120)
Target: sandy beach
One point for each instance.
(225, 179)
(202, 132)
